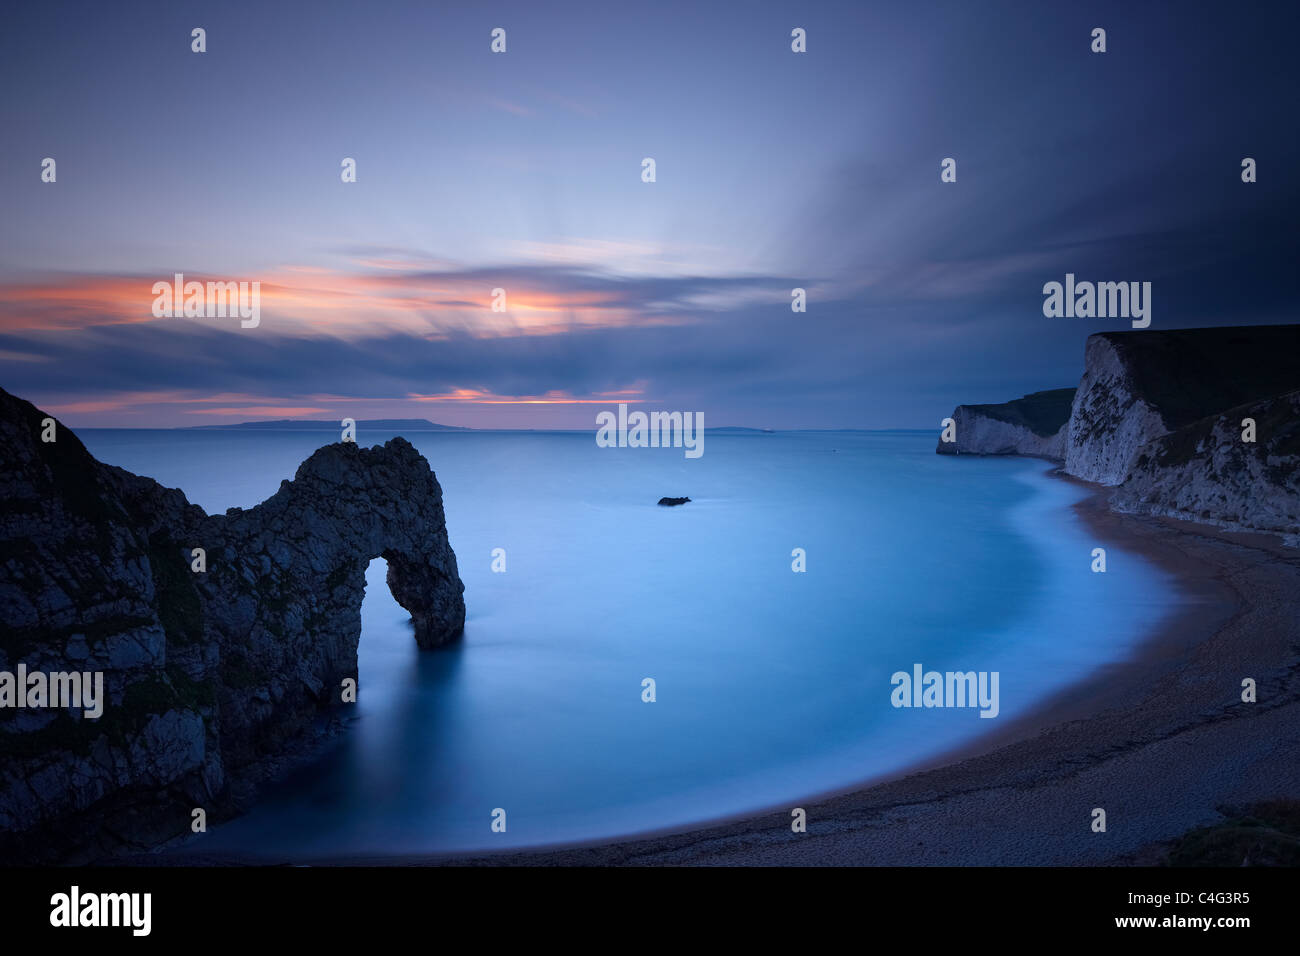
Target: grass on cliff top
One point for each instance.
(1043, 413)
(1188, 374)
(1276, 425)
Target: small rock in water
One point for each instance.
(669, 502)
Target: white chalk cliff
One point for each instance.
(1158, 415)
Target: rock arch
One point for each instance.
(207, 674)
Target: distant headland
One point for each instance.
(311, 424)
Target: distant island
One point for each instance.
(307, 424)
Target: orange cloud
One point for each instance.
(233, 402)
(114, 402)
(75, 303)
(307, 301)
(555, 397)
(128, 407)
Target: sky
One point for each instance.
(522, 171)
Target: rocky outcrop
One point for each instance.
(1033, 425)
(673, 502)
(1140, 385)
(206, 672)
(1110, 422)
(1205, 472)
(1158, 416)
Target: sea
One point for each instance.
(771, 613)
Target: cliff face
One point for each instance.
(1205, 472)
(1033, 425)
(1158, 414)
(204, 673)
(1139, 386)
(1110, 420)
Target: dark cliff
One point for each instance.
(1163, 418)
(208, 673)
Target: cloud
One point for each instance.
(733, 352)
(261, 411)
(314, 302)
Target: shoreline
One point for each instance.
(1160, 741)
(1108, 740)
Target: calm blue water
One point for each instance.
(771, 685)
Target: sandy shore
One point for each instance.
(1161, 742)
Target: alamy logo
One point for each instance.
(58, 689)
(656, 430)
(75, 908)
(215, 300)
(948, 689)
(1101, 300)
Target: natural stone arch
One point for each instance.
(205, 671)
(312, 542)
